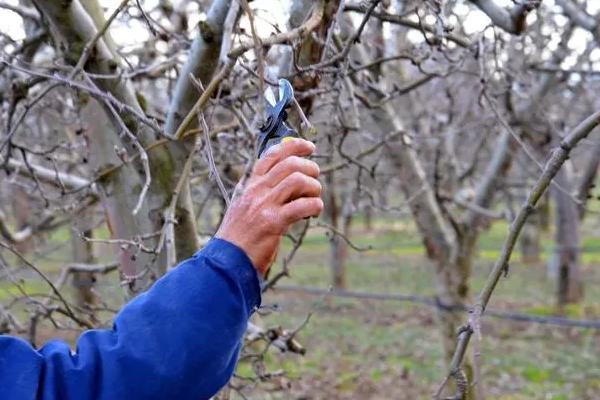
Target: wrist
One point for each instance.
(242, 246)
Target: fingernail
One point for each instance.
(272, 149)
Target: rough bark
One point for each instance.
(336, 249)
(201, 63)
(452, 251)
(452, 262)
(368, 218)
(118, 192)
(72, 29)
(530, 241)
(587, 182)
(310, 51)
(581, 18)
(437, 236)
(83, 252)
(337, 259)
(511, 20)
(553, 165)
(569, 288)
(347, 215)
(564, 266)
(22, 209)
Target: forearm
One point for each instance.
(178, 340)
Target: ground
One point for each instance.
(358, 349)
(367, 349)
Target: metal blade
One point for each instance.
(286, 91)
(281, 91)
(270, 96)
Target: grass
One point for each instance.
(383, 350)
(359, 349)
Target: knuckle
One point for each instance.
(245, 201)
(270, 157)
(299, 145)
(251, 188)
(292, 163)
(319, 205)
(314, 185)
(267, 217)
(296, 161)
(293, 142)
(274, 150)
(319, 188)
(298, 178)
(315, 167)
(315, 207)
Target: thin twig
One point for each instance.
(559, 156)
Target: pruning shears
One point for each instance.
(274, 129)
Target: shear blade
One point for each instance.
(286, 91)
(270, 96)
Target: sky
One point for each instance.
(276, 11)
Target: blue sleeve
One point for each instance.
(179, 340)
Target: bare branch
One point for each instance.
(513, 20)
(400, 20)
(559, 156)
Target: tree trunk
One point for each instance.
(21, 206)
(543, 211)
(118, 194)
(310, 51)
(368, 215)
(83, 252)
(531, 236)
(451, 269)
(587, 182)
(336, 251)
(72, 28)
(569, 288)
(529, 241)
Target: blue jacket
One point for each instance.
(179, 340)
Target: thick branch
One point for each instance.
(580, 17)
(284, 37)
(395, 19)
(13, 237)
(47, 175)
(22, 11)
(587, 181)
(201, 63)
(513, 20)
(495, 170)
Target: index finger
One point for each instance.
(294, 147)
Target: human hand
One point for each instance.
(282, 189)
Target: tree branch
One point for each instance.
(511, 20)
(399, 20)
(557, 159)
(580, 17)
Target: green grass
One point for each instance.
(369, 349)
(391, 350)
